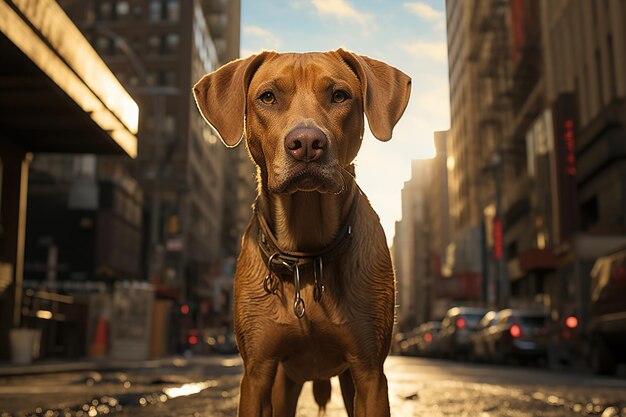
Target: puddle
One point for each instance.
(188, 389)
(595, 407)
(110, 404)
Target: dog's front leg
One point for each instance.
(372, 398)
(256, 389)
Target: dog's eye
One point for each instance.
(340, 96)
(268, 98)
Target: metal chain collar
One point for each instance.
(292, 261)
(270, 283)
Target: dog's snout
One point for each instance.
(306, 143)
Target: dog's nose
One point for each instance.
(306, 143)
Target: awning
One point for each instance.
(56, 93)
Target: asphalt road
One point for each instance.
(418, 387)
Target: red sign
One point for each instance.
(497, 239)
(564, 119)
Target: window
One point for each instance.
(103, 10)
(170, 44)
(164, 10)
(105, 45)
(163, 44)
(122, 8)
(155, 10)
(167, 78)
(151, 78)
(102, 43)
(173, 10)
(154, 44)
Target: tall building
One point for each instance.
(159, 49)
(443, 291)
(239, 170)
(588, 65)
(585, 90)
(411, 249)
(466, 178)
(540, 85)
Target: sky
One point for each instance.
(410, 35)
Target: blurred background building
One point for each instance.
(464, 150)
(58, 96)
(535, 156)
(173, 216)
(410, 248)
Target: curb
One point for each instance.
(90, 365)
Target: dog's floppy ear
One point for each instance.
(386, 92)
(221, 97)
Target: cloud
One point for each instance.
(263, 37)
(341, 9)
(428, 13)
(435, 51)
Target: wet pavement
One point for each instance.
(418, 387)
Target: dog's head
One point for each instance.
(302, 114)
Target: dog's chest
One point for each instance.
(312, 347)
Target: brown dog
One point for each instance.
(314, 287)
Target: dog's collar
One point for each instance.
(277, 258)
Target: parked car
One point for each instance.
(518, 334)
(456, 327)
(479, 350)
(607, 325)
(428, 338)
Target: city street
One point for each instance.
(418, 387)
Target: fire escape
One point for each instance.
(490, 53)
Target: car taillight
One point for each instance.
(428, 337)
(460, 323)
(516, 330)
(571, 322)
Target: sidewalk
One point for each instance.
(104, 365)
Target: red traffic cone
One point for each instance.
(99, 346)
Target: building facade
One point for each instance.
(411, 249)
(163, 217)
(538, 91)
(57, 96)
(443, 288)
(159, 49)
(586, 95)
(465, 149)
